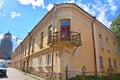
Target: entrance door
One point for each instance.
(65, 30)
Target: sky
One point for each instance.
(20, 16)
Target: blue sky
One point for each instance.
(20, 16)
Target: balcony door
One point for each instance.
(65, 30)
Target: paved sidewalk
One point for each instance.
(31, 75)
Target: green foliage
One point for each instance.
(79, 77)
(115, 26)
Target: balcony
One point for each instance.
(57, 39)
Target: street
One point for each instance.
(14, 74)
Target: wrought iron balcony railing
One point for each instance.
(69, 38)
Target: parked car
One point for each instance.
(3, 69)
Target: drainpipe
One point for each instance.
(94, 45)
(29, 52)
(54, 17)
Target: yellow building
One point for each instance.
(67, 38)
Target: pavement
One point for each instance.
(31, 75)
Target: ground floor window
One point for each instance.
(40, 60)
(48, 59)
(101, 62)
(31, 62)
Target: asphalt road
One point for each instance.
(14, 74)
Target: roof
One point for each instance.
(8, 33)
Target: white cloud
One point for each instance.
(49, 7)
(34, 3)
(14, 14)
(100, 9)
(16, 41)
(1, 3)
(1, 36)
(113, 7)
(1, 14)
(69, 1)
(103, 18)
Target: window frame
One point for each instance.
(101, 61)
(40, 60)
(101, 41)
(48, 59)
(107, 44)
(109, 62)
(41, 39)
(115, 63)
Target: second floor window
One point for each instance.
(119, 48)
(114, 44)
(33, 42)
(101, 41)
(41, 40)
(107, 44)
(50, 31)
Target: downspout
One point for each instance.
(94, 45)
(54, 17)
(29, 52)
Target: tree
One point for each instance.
(115, 26)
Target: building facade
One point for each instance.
(67, 38)
(6, 46)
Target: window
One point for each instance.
(119, 48)
(65, 29)
(65, 23)
(109, 62)
(101, 42)
(115, 65)
(31, 63)
(101, 62)
(50, 31)
(41, 40)
(107, 44)
(33, 42)
(25, 50)
(40, 60)
(48, 59)
(114, 44)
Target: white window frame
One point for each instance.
(48, 59)
(40, 60)
(31, 63)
